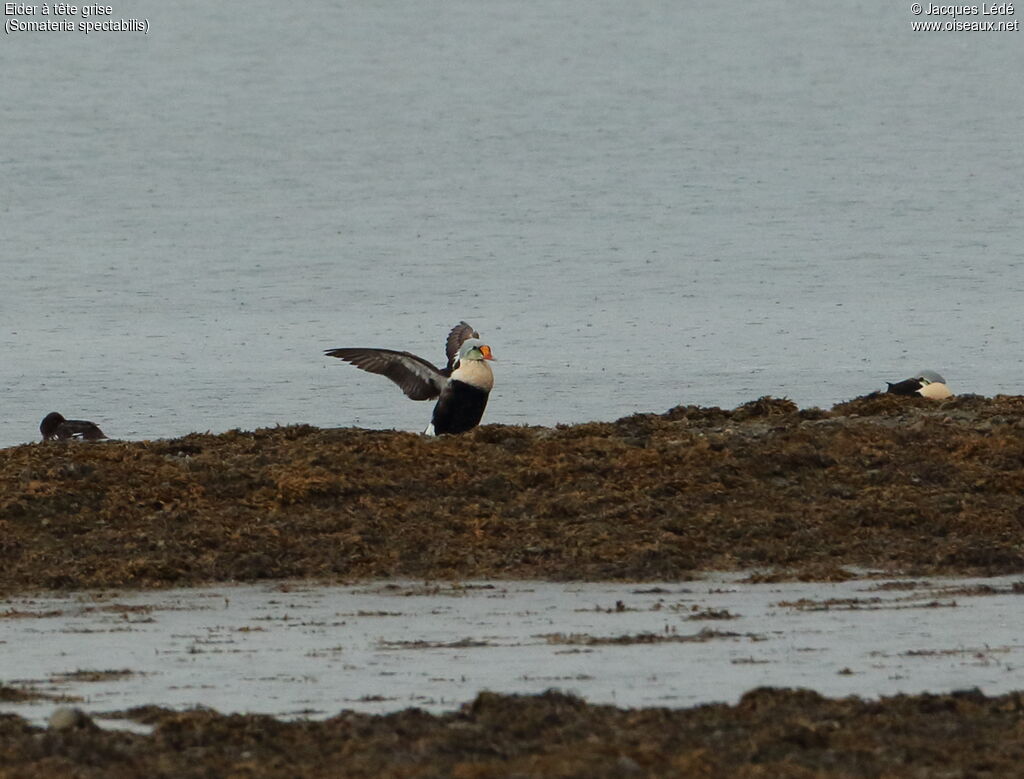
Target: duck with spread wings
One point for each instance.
(461, 388)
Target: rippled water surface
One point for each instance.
(638, 205)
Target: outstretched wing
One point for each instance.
(418, 378)
(459, 333)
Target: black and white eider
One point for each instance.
(55, 427)
(461, 388)
(926, 384)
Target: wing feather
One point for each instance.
(459, 334)
(419, 379)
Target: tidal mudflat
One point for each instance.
(357, 603)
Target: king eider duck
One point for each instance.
(55, 427)
(927, 384)
(461, 388)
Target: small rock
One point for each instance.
(627, 766)
(68, 717)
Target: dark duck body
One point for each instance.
(460, 408)
(905, 387)
(461, 387)
(55, 427)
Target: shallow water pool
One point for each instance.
(294, 649)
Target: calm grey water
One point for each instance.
(639, 205)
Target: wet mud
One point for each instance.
(882, 482)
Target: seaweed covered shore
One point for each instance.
(878, 483)
(881, 482)
(768, 733)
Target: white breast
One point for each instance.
(476, 373)
(935, 391)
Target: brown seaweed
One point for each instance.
(887, 483)
(768, 733)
